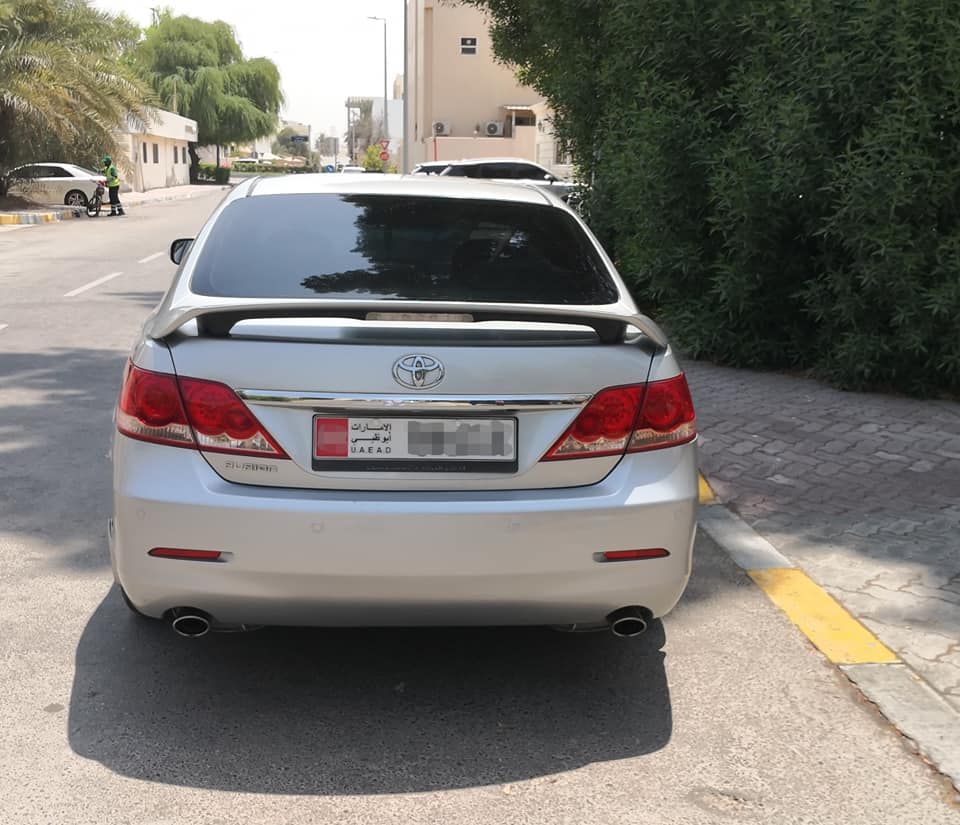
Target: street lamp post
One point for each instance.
(386, 129)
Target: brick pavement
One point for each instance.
(861, 490)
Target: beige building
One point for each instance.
(462, 103)
(158, 151)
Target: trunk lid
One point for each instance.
(529, 379)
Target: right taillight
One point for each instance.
(629, 419)
(189, 412)
(666, 418)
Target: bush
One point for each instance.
(206, 171)
(779, 182)
(222, 174)
(261, 168)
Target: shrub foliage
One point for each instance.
(779, 181)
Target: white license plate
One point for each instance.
(414, 440)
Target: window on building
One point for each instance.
(185, 155)
(468, 45)
(176, 154)
(525, 120)
(156, 153)
(144, 152)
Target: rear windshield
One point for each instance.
(402, 248)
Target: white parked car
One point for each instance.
(514, 170)
(55, 183)
(399, 401)
(353, 169)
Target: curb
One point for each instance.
(914, 708)
(31, 218)
(175, 197)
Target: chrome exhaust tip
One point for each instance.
(189, 622)
(628, 621)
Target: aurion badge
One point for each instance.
(417, 372)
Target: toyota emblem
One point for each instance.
(417, 372)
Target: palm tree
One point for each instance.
(63, 83)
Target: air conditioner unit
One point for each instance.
(441, 127)
(494, 128)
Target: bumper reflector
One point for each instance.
(177, 553)
(630, 555)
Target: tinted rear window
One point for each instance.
(402, 248)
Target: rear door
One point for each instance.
(401, 401)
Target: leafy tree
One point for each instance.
(198, 70)
(64, 86)
(285, 145)
(780, 182)
(371, 159)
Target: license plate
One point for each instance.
(415, 444)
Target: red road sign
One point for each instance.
(384, 156)
(385, 143)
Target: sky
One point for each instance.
(326, 50)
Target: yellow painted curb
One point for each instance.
(839, 636)
(706, 491)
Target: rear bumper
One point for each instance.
(311, 557)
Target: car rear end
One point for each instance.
(396, 403)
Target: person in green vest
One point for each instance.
(113, 185)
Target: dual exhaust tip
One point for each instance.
(192, 623)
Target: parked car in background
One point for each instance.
(401, 401)
(353, 169)
(55, 183)
(434, 167)
(515, 170)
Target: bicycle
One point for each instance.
(94, 203)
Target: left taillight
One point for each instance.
(150, 409)
(189, 412)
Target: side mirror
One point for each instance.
(179, 248)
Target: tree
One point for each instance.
(779, 182)
(371, 159)
(285, 145)
(65, 89)
(198, 70)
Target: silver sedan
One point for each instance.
(377, 400)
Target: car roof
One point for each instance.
(55, 163)
(474, 161)
(415, 185)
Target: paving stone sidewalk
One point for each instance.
(861, 490)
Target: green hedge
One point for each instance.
(278, 170)
(780, 182)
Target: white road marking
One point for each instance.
(3, 327)
(92, 284)
(149, 258)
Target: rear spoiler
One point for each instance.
(215, 317)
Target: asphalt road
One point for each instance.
(721, 713)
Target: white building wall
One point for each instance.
(158, 152)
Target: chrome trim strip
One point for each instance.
(381, 402)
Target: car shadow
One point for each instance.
(307, 711)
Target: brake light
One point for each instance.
(630, 419)
(222, 423)
(189, 412)
(150, 409)
(667, 417)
